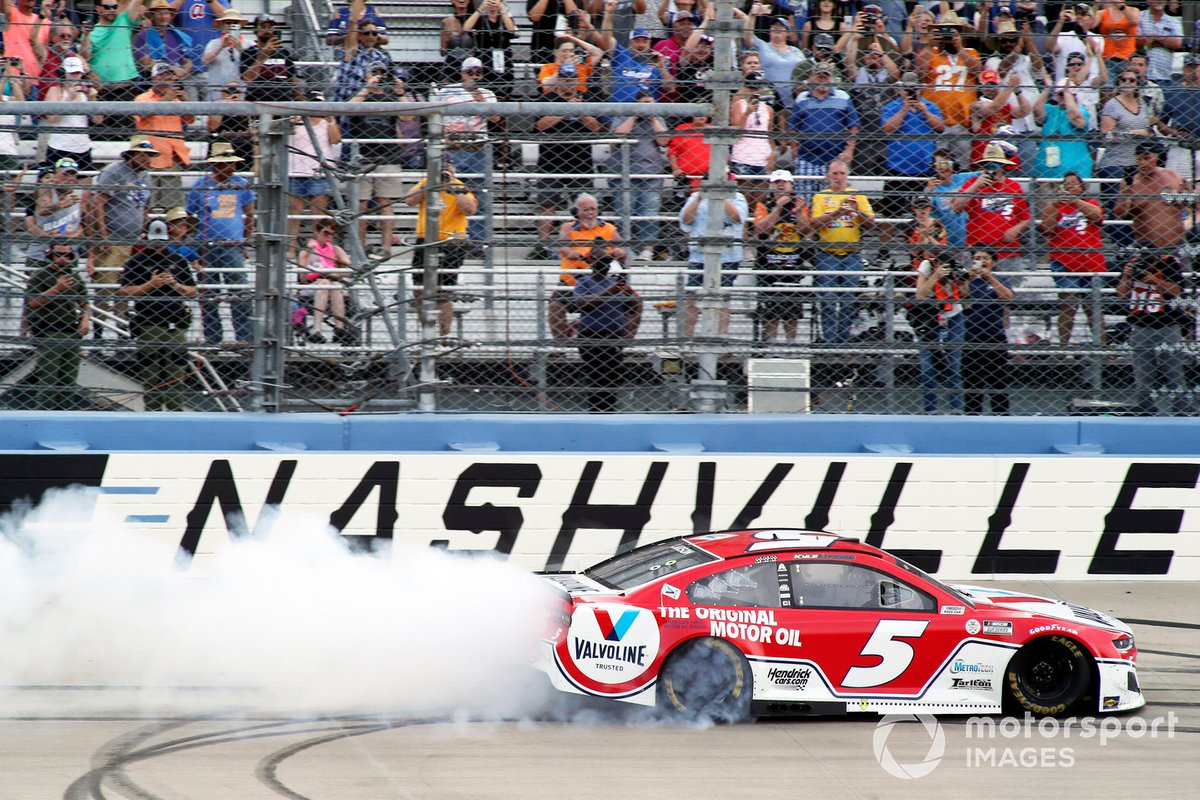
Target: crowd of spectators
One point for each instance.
(1035, 134)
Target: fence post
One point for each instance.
(270, 270)
(626, 198)
(707, 390)
(888, 372)
(430, 317)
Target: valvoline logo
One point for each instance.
(615, 631)
(611, 643)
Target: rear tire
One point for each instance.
(1049, 675)
(707, 678)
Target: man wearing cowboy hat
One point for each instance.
(115, 214)
(223, 204)
(160, 280)
(223, 55)
(997, 212)
(951, 73)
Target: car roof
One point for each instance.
(728, 544)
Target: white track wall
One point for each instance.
(960, 517)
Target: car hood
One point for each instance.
(1044, 606)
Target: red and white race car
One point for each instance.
(785, 621)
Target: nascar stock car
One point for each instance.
(739, 624)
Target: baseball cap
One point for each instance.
(872, 9)
(640, 33)
(781, 175)
(266, 18)
(156, 231)
(160, 68)
(1076, 56)
(1148, 147)
(784, 21)
(471, 62)
(824, 68)
(683, 16)
(400, 74)
(989, 76)
(65, 164)
(823, 40)
(73, 64)
(568, 70)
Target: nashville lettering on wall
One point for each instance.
(956, 517)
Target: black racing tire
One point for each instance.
(706, 678)
(1049, 675)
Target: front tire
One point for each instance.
(1049, 676)
(707, 678)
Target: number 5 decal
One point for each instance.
(895, 656)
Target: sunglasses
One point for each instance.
(369, 33)
(232, 90)
(62, 255)
(109, 6)
(473, 71)
(64, 36)
(1129, 80)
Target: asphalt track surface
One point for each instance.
(602, 753)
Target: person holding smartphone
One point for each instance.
(997, 212)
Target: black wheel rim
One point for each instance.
(1048, 674)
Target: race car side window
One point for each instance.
(753, 585)
(824, 584)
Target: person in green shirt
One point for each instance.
(108, 49)
(56, 309)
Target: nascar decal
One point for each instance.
(612, 643)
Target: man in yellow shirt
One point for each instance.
(458, 203)
(838, 217)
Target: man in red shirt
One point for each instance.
(997, 212)
(688, 153)
(1072, 230)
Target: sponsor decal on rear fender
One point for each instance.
(612, 643)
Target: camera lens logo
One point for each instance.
(932, 729)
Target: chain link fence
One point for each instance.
(875, 235)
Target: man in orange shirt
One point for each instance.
(951, 71)
(166, 132)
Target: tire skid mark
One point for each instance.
(268, 768)
(112, 758)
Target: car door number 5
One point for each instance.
(895, 655)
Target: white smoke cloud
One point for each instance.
(287, 623)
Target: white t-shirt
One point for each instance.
(1069, 43)
(8, 131)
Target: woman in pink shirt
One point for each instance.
(323, 265)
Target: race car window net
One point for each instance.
(827, 584)
(645, 564)
(752, 586)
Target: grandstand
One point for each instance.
(502, 352)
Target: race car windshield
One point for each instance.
(907, 567)
(645, 564)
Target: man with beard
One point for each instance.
(1150, 198)
(951, 71)
(268, 68)
(997, 211)
(108, 49)
(636, 68)
(56, 308)
(159, 279)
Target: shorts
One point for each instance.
(898, 194)
(779, 304)
(561, 192)
(373, 184)
(309, 187)
(1066, 279)
(728, 275)
(451, 255)
(109, 261)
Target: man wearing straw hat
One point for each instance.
(223, 203)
